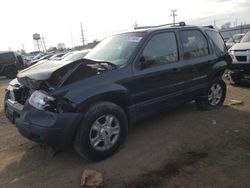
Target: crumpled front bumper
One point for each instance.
(50, 128)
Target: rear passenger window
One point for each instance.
(194, 44)
(217, 41)
(162, 48)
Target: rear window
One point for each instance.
(7, 57)
(218, 42)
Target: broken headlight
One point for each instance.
(41, 100)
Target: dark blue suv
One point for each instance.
(90, 103)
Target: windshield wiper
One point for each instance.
(104, 64)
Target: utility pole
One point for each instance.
(173, 14)
(72, 40)
(23, 47)
(135, 25)
(83, 40)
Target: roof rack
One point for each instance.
(169, 24)
(210, 26)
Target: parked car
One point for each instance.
(240, 53)
(75, 55)
(45, 57)
(90, 103)
(57, 56)
(10, 62)
(234, 39)
(38, 55)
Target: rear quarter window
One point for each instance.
(219, 45)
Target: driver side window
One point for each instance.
(161, 49)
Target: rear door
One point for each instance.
(198, 60)
(159, 83)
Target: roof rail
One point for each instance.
(209, 26)
(169, 24)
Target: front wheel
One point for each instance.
(214, 97)
(102, 131)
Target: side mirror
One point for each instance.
(146, 62)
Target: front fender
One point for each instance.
(83, 97)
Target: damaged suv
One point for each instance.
(90, 103)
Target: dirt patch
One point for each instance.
(157, 177)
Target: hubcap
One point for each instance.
(104, 132)
(215, 94)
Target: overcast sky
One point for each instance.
(58, 20)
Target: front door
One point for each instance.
(159, 81)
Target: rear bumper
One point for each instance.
(54, 129)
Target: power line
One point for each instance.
(173, 14)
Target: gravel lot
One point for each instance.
(181, 148)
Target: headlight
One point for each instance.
(40, 100)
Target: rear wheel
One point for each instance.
(214, 97)
(102, 131)
(10, 72)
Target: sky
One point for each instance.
(58, 21)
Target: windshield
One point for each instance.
(116, 49)
(246, 38)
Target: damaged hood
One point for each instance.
(42, 70)
(50, 74)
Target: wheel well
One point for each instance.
(219, 73)
(119, 99)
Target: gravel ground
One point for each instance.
(181, 148)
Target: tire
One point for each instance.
(93, 132)
(212, 99)
(10, 72)
(234, 78)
